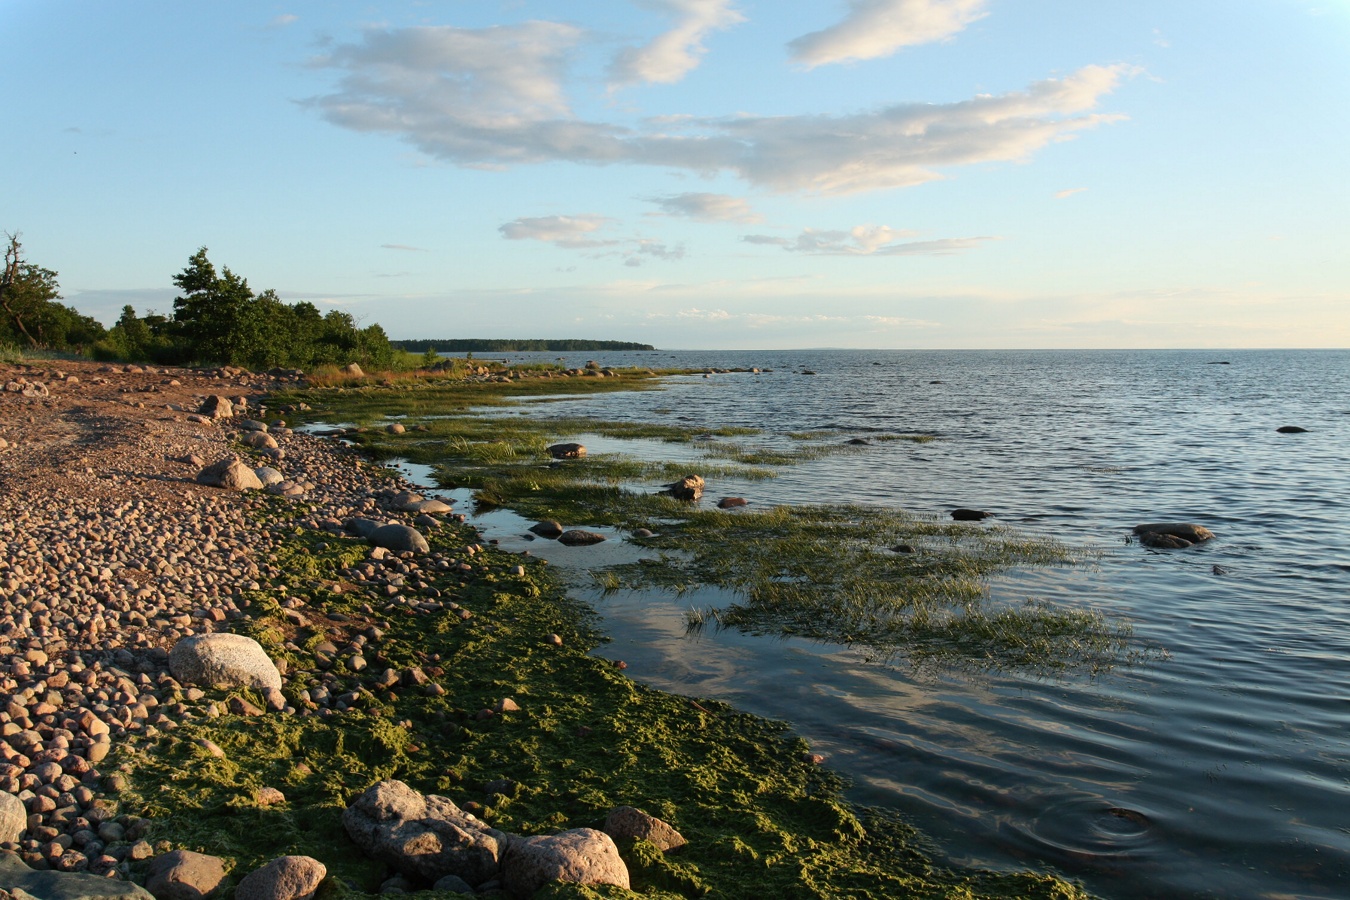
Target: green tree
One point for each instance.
(30, 311)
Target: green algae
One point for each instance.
(760, 817)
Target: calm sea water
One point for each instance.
(1221, 771)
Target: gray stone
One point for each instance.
(184, 875)
(224, 661)
(399, 538)
(732, 502)
(269, 476)
(13, 818)
(547, 529)
(252, 425)
(15, 877)
(231, 474)
(361, 527)
(216, 407)
(1185, 531)
(424, 837)
(428, 506)
(258, 440)
(578, 537)
(628, 822)
(284, 878)
(567, 451)
(579, 856)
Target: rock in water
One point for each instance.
(732, 502)
(224, 661)
(578, 537)
(579, 856)
(690, 488)
(230, 473)
(1291, 429)
(567, 451)
(547, 529)
(970, 515)
(1151, 534)
(399, 538)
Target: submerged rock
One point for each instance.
(578, 537)
(1291, 429)
(1172, 535)
(970, 515)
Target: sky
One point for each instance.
(701, 174)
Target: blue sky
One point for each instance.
(702, 173)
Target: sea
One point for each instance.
(1217, 768)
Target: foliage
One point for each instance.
(218, 319)
(494, 345)
(29, 312)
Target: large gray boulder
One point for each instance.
(13, 818)
(224, 661)
(579, 856)
(184, 875)
(15, 876)
(216, 407)
(423, 837)
(399, 538)
(284, 878)
(229, 473)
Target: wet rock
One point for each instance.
(547, 529)
(732, 502)
(184, 875)
(567, 451)
(578, 537)
(223, 661)
(431, 505)
(1172, 535)
(399, 538)
(423, 837)
(229, 473)
(629, 822)
(903, 548)
(970, 515)
(689, 488)
(1291, 429)
(579, 856)
(284, 878)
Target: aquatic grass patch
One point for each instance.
(761, 818)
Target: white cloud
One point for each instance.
(677, 52)
(567, 232)
(283, 20)
(875, 28)
(1060, 195)
(494, 97)
(865, 240)
(758, 320)
(704, 207)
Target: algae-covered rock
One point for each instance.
(629, 822)
(423, 837)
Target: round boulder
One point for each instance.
(629, 822)
(224, 661)
(229, 473)
(399, 538)
(579, 856)
(578, 537)
(184, 875)
(547, 529)
(13, 818)
(284, 878)
(567, 451)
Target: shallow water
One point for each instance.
(1222, 771)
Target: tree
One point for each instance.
(210, 314)
(28, 295)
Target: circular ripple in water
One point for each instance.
(1090, 828)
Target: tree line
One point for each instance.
(217, 319)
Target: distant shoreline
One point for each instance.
(502, 345)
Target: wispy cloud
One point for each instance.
(865, 240)
(677, 52)
(494, 97)
(567, 232)
(776, 320)
(283, 20)
(708, 207)
(405, 247)
(875, 28)
(580, 233)
(1060, 195)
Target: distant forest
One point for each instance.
(490, 345)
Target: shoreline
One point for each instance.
(106, 531)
